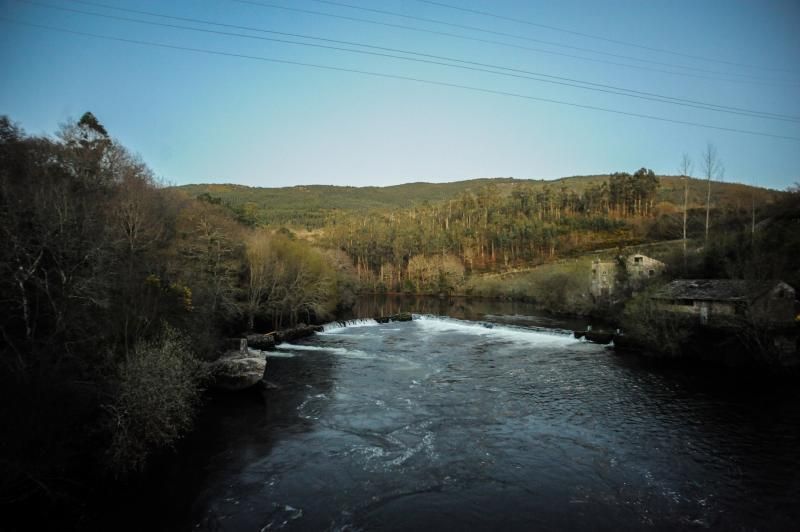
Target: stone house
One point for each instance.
(721, 301)
(638, 269)
(641, 267)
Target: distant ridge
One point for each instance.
(309, 205)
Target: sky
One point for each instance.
(210, 115)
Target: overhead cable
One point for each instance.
(403, 78)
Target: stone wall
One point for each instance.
(604, 277)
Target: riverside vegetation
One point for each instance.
(117, 291)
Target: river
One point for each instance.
(484, 416)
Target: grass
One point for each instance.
(561, 287)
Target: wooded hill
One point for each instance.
(426, 237)
(310, 206)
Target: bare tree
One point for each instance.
(287, 279)
(265, 274)
(712, 168)
(685, 170)
(138, 225)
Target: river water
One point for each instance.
(487, 418)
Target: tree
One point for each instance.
(685, 169)
(712, 169)
(287, 278)
(263, 275)
(139, 219)
(87, 151)
(209, 258)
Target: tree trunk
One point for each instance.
(708, 207)
(685, 214)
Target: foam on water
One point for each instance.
(335, 326)
(539, 336)
(536, 323)
(275, 354)
(350, 353)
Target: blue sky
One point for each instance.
(197, 117)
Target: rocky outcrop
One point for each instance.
(403, 316)
(238, 369)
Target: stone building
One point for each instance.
(641, 267)
(604, 275)
(638, 269)
(722, 301)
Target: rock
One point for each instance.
(403, 316)
(238, 370)
(623, 342)
(235, 344)
(301, 331)
(262, 342)
(599, 337)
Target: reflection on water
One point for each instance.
(493, 422)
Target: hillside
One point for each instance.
(311, 205)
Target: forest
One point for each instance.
(428, 248)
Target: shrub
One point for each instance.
(158, 389)
(659, 332)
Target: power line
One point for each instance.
(399, 77)
(597, 87)
(523, 37)
(495, 42)
(600, 38)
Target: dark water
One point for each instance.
(448, 424)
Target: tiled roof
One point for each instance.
(715, 289)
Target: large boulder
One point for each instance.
(239, 369)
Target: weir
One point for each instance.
(338, 325)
